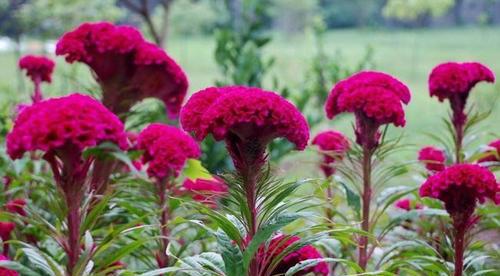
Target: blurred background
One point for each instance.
(299, 48)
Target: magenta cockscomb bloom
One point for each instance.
(407, 204)
(206, 191)
(16, 206)
(375, 98)
(278, 244)
(128, 68)
(333, 146)
(493, 154)
(39, 69)
(5, 271)
(433, 158)
(6, 229)
(73, 122)
(166, 149)
(247, 118)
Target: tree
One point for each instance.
(416, 10)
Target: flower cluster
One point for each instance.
(205, 190)
(433, 158)
(166, 149)
(451, 78)
(407, 204)
(461, 186)
(280, 243)
(38, 68)
(375, 98)
(333, 145)
(247, 118)
(6, 271)
(76, 120)
(492, 155)
(127, 67)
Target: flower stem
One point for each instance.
(459, 136)
(459, 251)
(367, 194)
(74, 218)
(164, 218)
(252, 224)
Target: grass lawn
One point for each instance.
(407, 54)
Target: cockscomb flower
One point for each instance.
(72, 122)
(433, 158)
(5, 271)
(493, 154)
(280, 243)
(375, 98)
(128, 68)
(6, 229)
(205, 190)
(16, 206)
(39, 69)
(407, 204)
(454, 81)
(333, 145)
(166, 149)
(247, 118)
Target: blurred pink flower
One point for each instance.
(16, 206)
(206, 191)
(333, 145)
(407, 204)
(492, 155)
(433, 158)
(6, 271)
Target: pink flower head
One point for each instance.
(407, 204)
(492, 155)
(453, 81)
(375, 98)
(6, 229)
(75, 121)
(333, 145)
(166, 149)
(38, 68)
(128, 68)
(5, 271)
(206, 191)
(281, 242)
(16, 206)
(248, 118)
(433, 158)
(460, 187)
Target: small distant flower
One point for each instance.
(205, 190)
(6, 229)
(128, 68)
(39, 69)
(166, 149)
(280, 243)
(71, 124)
(492, 155)
(454, 81)
(333, 145)
(7, 180)
(5, 271)
(460, 187)
(407, 204)
(16, 206)
(375, 98)
(433, 158)
(247, 118)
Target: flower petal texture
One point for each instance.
(76, 119)
(166, 149)
(38, 68)
(247, 112)
(433, 158)
(127, 67)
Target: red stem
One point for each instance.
(459, 251)
(164, 218)
(74, 219)
(37, 93)
(367, 193)
(251, 202)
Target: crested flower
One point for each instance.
(5, 271)
(16, 206)
(39, 69)
(375, 98)
(206, 190)
(492, 154)
(247, 118)
(128, 68)
(278, 244)
(166, 149)
(433, 158)
(72, 122)
(333, 145)
(407, 204)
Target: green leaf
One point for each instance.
(312, 262)
(19, 268)
(194, 170)
(353, 200)
(231, 254)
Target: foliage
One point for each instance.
(412, 10)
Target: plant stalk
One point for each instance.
(163, 259)
(74, 220)
(367, 194)
(459, 251)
